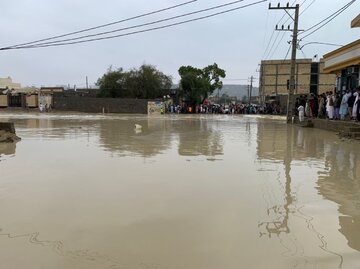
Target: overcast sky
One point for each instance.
(236, 41)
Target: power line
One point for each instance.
(327, 20)
(287, 53)
(137, 32)
(273, 44)
(307, 7)
(303, 53)
(269, 52)
(277, 46)
(320, 43)
(139, 25)
(108, 24)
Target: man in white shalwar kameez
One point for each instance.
(301, 110)
(330, 105)
(355, 107)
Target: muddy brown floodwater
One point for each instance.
(194, 192)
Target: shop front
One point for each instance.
(345, 63)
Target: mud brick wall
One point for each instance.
(97, 105)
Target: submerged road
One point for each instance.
(217, 191)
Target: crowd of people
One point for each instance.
(239, 108)
(330, 105)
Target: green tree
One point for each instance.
(109, 83)
(197, 84)
(144, 83)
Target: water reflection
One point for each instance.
(7, 149)
(197, 137)
(280, 213)
(193, 136)
(338, 179)
(210, 220)
(121, 136)
(340, 183)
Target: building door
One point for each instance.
(15, 101)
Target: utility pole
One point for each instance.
(251, 86)
(87, 83)
(295, 31)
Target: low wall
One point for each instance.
(98, 105)
(334, 125)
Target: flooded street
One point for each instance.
(194, 192)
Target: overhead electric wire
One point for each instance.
(107, 24)
(287, 53)
(326, 20)
(278, 44)
(140, 31)
(141, 25)
(302, 12)
(286, 22)
(268, 45)
(273, 44)
(271, 53)
(329, 17)
(320, 43)
(265, 32)
(303, 53)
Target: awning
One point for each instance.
(343, 57)
(355, 22)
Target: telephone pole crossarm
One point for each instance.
(290, 102)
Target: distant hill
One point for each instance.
(238, 90)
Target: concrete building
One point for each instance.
(8, 83)
(309, 78)
(345, 62)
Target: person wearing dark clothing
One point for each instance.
(351, 102)
(337, 104)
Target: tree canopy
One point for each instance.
(197, 84)
(144, 83)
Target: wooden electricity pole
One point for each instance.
(290, 102)
(251, 87)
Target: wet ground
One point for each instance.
(211, 192)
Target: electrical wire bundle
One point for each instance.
(78, 37)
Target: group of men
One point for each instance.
(331, 105)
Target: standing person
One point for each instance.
(307, 109)
(301, 113)
(331, 106)
(316, 109)
(355, 106)
(297, 104)
(344, 105)
(351, 101)
(321, 106)
(337, 104)
(312, 105)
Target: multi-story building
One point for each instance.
(309, 78)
